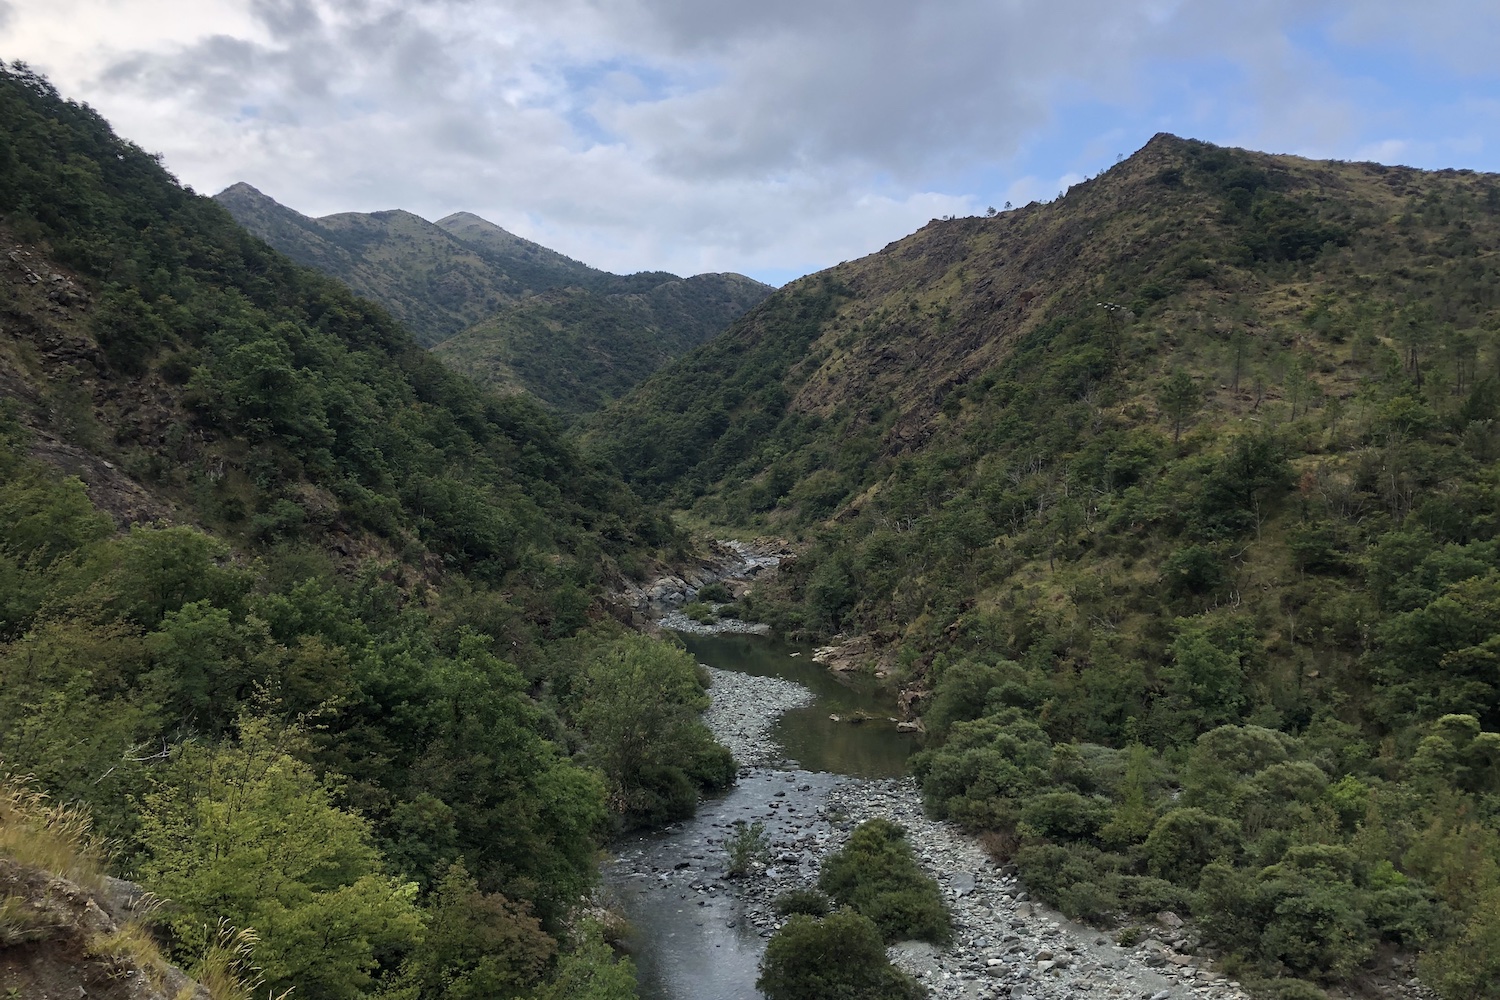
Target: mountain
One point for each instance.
(578, 349)
(434, 282)
(1174, 505)
(300, 631)
(507, 311)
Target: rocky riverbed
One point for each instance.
(676, 621)
(745, 708)
(1005, 944)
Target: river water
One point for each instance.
(692, 937)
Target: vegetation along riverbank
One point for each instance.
(1171, 507)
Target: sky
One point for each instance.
(769, 137)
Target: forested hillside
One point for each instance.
(506, 311)
(1173, 505)
(309, 625)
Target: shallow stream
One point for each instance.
(693, 939)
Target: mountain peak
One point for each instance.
(240, 188)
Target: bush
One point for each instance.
(842, 956)
(714, 593)
(700, 613)
(1064, 815)
(747, 845)
(808, 902)
(1078, 879)
(1144, 894)
(1184, 840)
(877, 875)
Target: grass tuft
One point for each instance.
(57, 838)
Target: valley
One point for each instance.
(1163, 516)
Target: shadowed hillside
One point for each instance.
(502, 309)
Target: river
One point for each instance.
(692, 937)
(698, 935)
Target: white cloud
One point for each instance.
(694, 134)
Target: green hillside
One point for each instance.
(506, 311)
(577, 350)
(1173, 505)
(311, 627)
(432, 283)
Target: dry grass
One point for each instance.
(37, 832)
(227, 970)
(21, 922)
(132, 946)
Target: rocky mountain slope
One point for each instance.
(505, 310)
(1155, 496)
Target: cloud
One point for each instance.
(707, 134)
(7, 14)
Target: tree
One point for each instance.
(1180, 398)
(479, 945)
(640, 717)
(248, 833)
(877, 874)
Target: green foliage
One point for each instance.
(1180, 398)
(590, 970)
(809, 902)
(877, 875)
(640, 721)
(745, 847)
(248, 833)
(304, 407)
(841, 956)
(984, 771)
(714, 593)
(1184, 840)
(477, 945)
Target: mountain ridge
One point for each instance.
(504, 309)
(1173, 505)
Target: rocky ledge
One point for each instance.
(733, 563)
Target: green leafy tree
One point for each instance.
(1179, 399)
(877, 874)
(478, 945)
(590, 970)
(248, 833)
(640, 718)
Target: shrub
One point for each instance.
(809, 902)
(1064, 815)
(1144, 894)
(699, 612)
(714, 593)
(1184, 840)
(1078, 879)
(841, 956)
(747, 845)
(877, 875)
